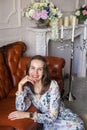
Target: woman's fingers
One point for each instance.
(17, 115)
(27, 79)
(12, 116)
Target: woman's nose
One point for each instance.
(36, 71)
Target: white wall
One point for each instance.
(13, 26)
(10, 21)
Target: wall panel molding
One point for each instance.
(8, 40)
(10, 13)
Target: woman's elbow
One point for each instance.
(53, 118)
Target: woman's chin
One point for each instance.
(35, 79)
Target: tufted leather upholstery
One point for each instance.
(12, 68)
(56, 65)
(5, 81)
(16, 62)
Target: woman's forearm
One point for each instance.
(20, 87)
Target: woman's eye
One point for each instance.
(40, 69)
(32, 68)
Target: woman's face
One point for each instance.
(36, 69)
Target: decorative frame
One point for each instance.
(11, 16)
(77, 4)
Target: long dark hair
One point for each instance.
(46, 77)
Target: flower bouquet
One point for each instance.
(81, 13)
(44, 13)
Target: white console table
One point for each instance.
(42, 37)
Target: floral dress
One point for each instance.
(53, 116)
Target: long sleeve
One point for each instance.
(52, 107)
(48, 105)
(23, 101)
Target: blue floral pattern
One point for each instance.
(54, 115)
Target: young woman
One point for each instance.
(45, 96)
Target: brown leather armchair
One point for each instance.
(56, 65)
(12, 68)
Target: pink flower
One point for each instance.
(44, 14)
(40, 15)
(36, 16)
(84, 12)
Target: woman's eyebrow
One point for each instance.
(38, 67)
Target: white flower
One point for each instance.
(36, 5)
(47, 1)
(51, 5)
(54, 11)
(59, 14)
(31, 12)
(77, 13)
(43, 4)
(27, 14)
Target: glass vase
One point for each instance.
(41, 25)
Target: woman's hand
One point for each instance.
(18, 115)
(27, 78)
